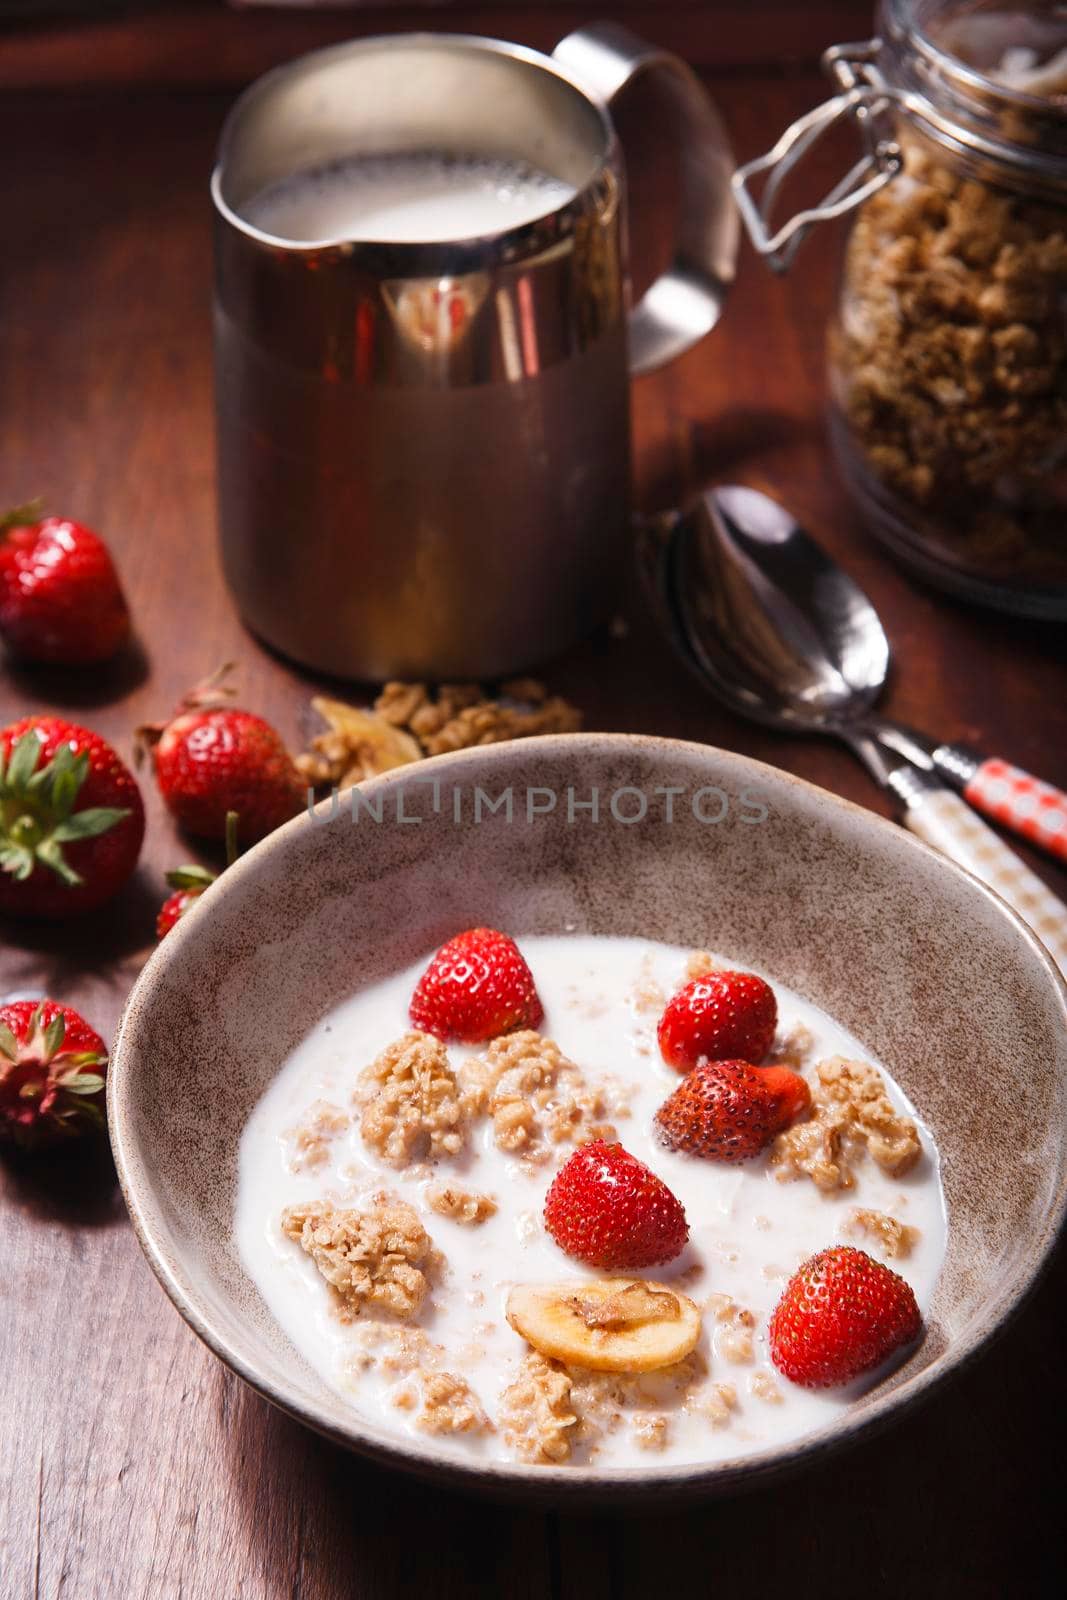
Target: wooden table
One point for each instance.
(132, 1464)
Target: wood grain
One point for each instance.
(132, 1465)
(202, 42)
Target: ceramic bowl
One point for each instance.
(923, 963)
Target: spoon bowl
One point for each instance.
(780, 631)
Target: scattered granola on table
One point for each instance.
(408, 722)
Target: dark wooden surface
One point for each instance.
(193, 42)
(131, 1464)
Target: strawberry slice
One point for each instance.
(730, 1110)
(477, 987)
(841, 1314)
(609, 1210)
(723, 1016)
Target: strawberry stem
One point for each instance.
(19, 516)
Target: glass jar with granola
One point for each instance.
(948, 354)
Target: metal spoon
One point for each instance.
(784, 636)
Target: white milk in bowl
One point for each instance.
(455, 1369)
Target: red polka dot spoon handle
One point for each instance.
(1035, 810)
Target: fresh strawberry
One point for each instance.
(725, 1016)
(52, 1071)
(60, 596)
(729, 1110)
(840, 1314)
(189, 883)
(71, 819)
(609, 1210)
(211, 759)
(476, 987)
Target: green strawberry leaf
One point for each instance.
(88, 824)
(23, 761)
(37, 815)
(85, 1058)
(53, 1035)
(63, 792)
(83, 1083)
(50, 855)
(190, 877)
(16, 860)
(19, 516)
(78, 1114)
(8, 1043)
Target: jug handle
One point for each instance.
(685, 302)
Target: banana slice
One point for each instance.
(373, 744)
(614, 1325)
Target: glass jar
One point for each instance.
(948, 353)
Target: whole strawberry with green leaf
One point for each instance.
(190, 882)
(52, 1074)
(213, 758)
(71, 819)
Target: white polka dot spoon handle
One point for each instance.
(942, 819)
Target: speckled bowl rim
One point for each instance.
(615, 1487)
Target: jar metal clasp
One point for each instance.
(868, 101)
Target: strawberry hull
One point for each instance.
(69, 844)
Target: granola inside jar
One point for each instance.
(948, 353)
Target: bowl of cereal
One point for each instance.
(586, 1118)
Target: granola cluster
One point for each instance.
(407, 722)
(701, 964)
(448, 1200)
(535, 1416)
(949, 364)
(442, 1402)
(732, 1338)
(412, 1106)
(895, 1238)
(764, 1386)
(794, 1047)
(717, 1404)
(462, 714)
(439, 1401)
(650, 1430)
(309, 1142)
(379, 1257)
(850, 1113)
(536, 1097)
(393, 1347)
(548, 1409)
